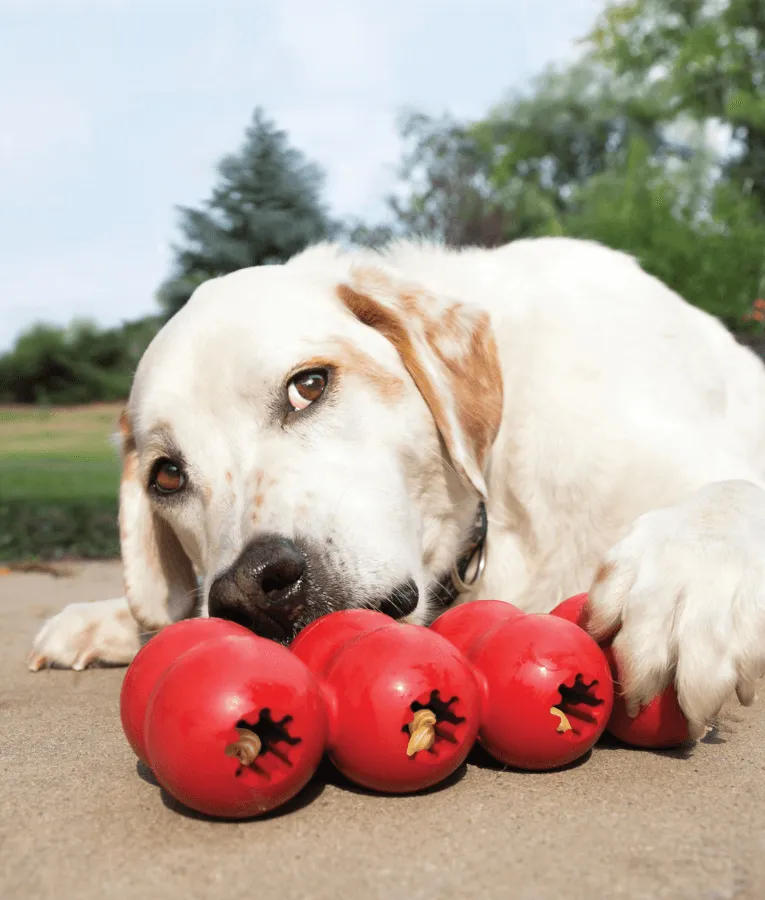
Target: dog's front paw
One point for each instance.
(686, 589)
(86, 633)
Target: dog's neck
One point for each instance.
(467, 569)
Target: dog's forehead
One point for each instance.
(269, 302)
(255, 324)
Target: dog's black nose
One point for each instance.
(264, 590)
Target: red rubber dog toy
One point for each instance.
(468, 623)
(152, 660)
(236, 725)
(546, 685)
(404, 703)
(658, 725)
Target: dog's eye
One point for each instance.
(167, 477)
(305, 388)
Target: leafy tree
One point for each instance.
(570, 125)
(606, 150)
(265, 208)
(444, 192)
(703, 58)
(80, 363)
(511, 174)
(697, 234)
(358, 233)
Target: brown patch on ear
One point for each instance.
(229, 477)
(475, 375)
(387, 385)
(129, 451)
(376, 316)
(369, 312)
(126, 433)
(124, 424)
(375, 281)
(449, 351)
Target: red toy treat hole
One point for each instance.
(318, 642)
(574, 609)
(658, 726)
(151, 661)
(547, 691)
(404, 707)
(236, 727)
(469, 622)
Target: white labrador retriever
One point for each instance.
(325, 434)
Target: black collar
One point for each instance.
(453, 584)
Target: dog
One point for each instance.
(418, 426)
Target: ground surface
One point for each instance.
(78, 821)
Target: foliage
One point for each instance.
(568, 127)
(445, 193)
(357, 233)
(703, 239)
(80, 363)
(265, 208)
(83, 528)
(704, 58)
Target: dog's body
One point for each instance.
(615, 433)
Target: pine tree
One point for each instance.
(266, 207)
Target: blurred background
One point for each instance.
(146, 145)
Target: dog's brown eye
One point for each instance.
(305, 388)
(167, 477)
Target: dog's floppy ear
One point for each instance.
(159, 578)
(449, 350)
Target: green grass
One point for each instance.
(59, 476)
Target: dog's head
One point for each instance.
(305, 443)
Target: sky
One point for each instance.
(114, 112)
